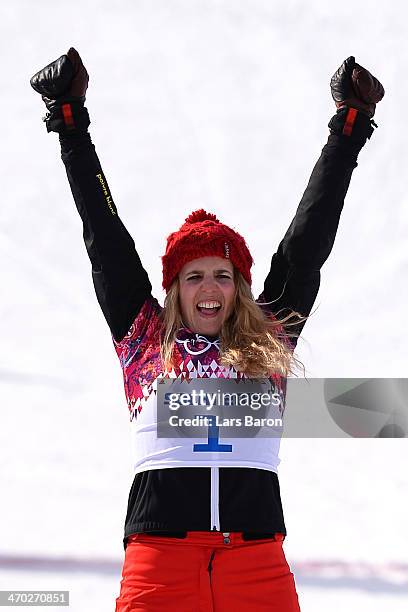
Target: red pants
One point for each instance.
(205, 572)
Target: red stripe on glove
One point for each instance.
(68, 118)
(350, 119)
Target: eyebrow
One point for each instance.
(201, 271)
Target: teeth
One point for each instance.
(208, 304)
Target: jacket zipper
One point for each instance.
(215, 510)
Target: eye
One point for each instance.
(193, 277)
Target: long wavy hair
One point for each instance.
(251, 341)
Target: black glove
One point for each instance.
(353, 86)
(62, 85)
(355, 92)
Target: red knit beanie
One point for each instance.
(202, 235)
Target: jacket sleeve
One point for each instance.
(294, 277)
(121, 283)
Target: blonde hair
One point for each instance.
(250, 340)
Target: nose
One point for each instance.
(208, 283)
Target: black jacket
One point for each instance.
(175, 500)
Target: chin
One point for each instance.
(207, 327)
(210, 329)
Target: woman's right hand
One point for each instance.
(65, 77)
(63, 82)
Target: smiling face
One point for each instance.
(207, 291)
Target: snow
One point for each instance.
(220, 104)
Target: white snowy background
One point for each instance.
(220, 104)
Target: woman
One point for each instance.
(202, 531)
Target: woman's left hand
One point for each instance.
(353, 85)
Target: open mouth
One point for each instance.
(209, 308)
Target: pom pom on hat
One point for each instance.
(203, 235)
(200, 215)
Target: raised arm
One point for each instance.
(294, 277)
(120, 281)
